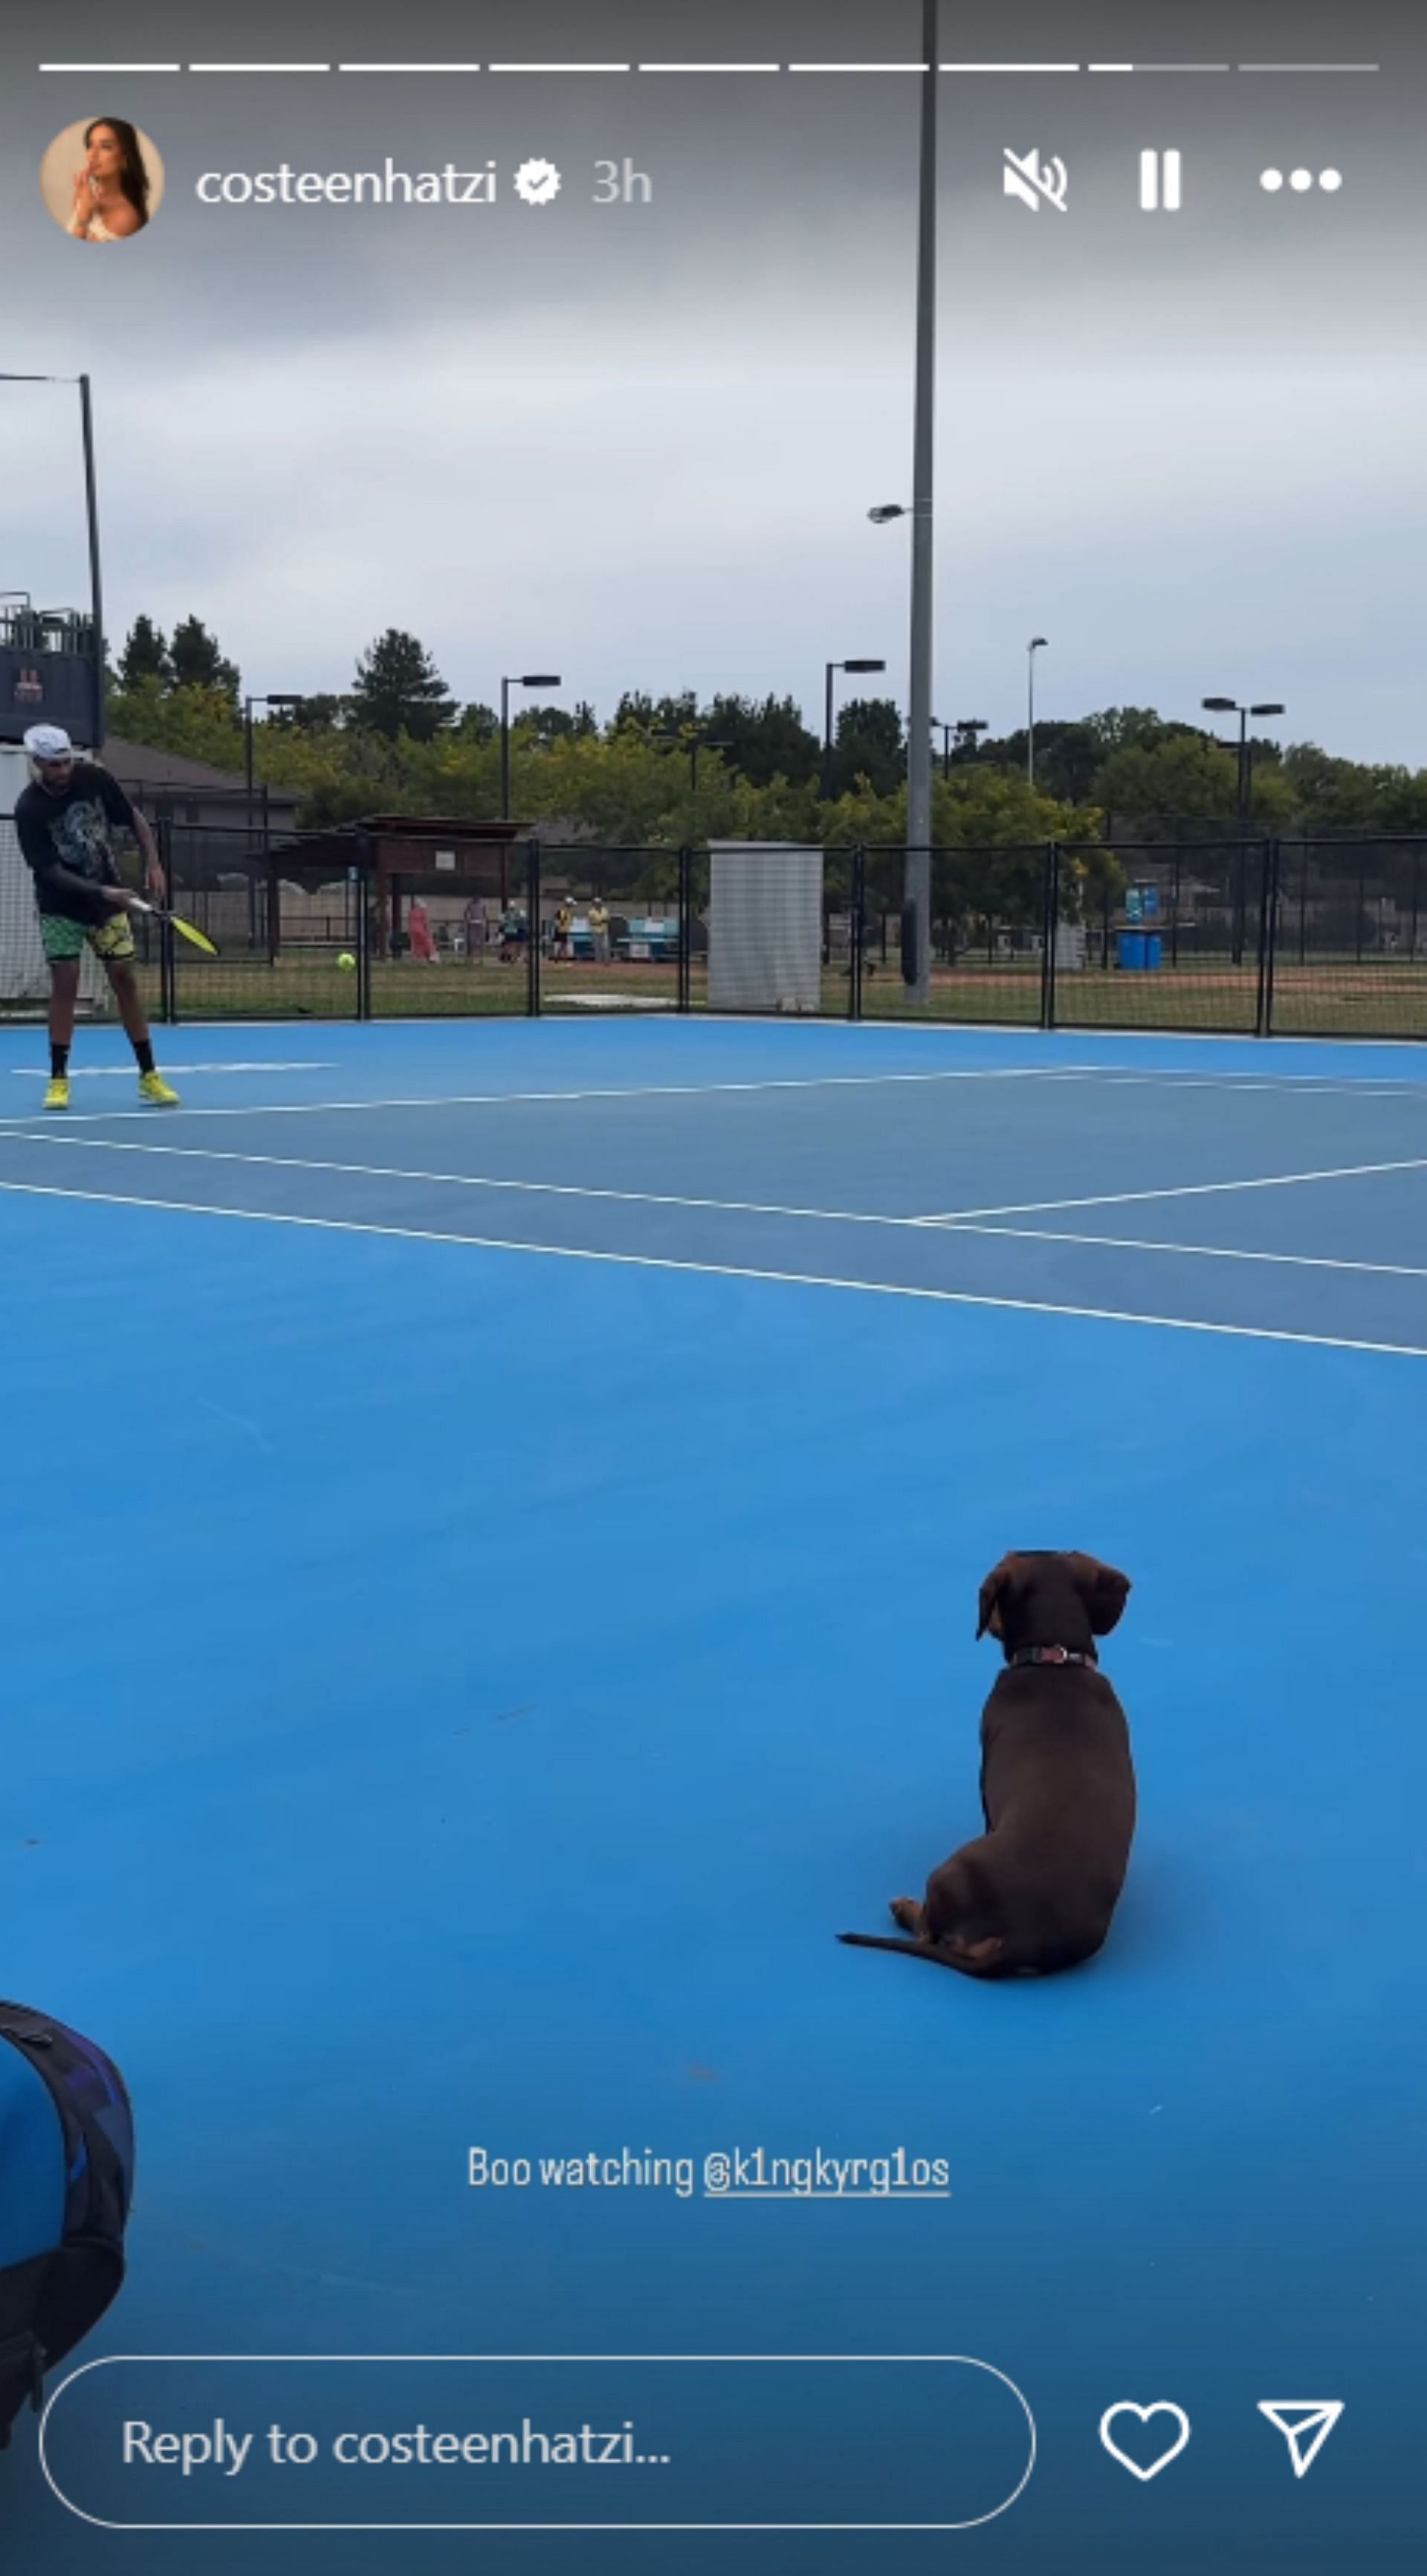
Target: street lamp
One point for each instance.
(827, 714)
(694, 743)
(1032, 649)
(526, 680)
(264, 698)
(1231, 707)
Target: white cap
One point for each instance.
(48, 742)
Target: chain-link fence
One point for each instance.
(611, 927)
(1348, 954)
(1294, 937)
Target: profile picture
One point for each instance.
(102, 180)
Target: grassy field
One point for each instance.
(1328, 998)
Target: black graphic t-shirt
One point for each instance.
(65, 838)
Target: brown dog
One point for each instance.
(1037, 1890)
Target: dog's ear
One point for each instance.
(1103, 1590)
(989, 1605)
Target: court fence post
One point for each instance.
(168, 978)
(856, 927)
(1268, 938)
(362, 893)
(532, 929)
(1051, 927)
(686, 923)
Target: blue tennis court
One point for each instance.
(496, 1522)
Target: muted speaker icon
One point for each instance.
(1161, 182)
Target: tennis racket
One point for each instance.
(188, 930)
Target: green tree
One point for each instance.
(398, 689)
(198, 662)
(869, 744)
(1184, 780)
(763, 739)
(315, 714)
(145, 656)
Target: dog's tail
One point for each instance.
(914, 1950)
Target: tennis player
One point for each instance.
(63, 820)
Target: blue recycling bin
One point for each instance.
(1140, 951)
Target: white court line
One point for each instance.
(464, 1180)
(126, 1072)
(1185, 1190)
(721, 1270)
(1197, 1251)
(1111, 1074)
(722, 1207)
(614, 1091)
(1359, 1086)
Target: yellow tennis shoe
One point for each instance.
(57, 1095)
(154, 1089)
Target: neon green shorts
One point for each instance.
(64, 941)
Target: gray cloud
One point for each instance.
(639, 443)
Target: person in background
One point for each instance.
(564, 924)
(418, 923)
(474, 921)
(63, 821)
(599, 929)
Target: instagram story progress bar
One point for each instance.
(1161, 182)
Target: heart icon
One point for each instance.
(1142, 2414)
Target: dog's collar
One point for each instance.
(1049, 1655)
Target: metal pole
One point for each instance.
(1050, 926)
(532, 929)
(248, 759)
(364, 932)
(856, 928)
(1268, 953)
(686, 916)
(96, 588)
(505, 751)
(1030, 715)
(918, 879)
(1239, 891)
(827, 733)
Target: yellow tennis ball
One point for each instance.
(347, 963)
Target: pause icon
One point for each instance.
(1159, 182)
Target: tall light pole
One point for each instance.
(526, 680)
(1032, 649)
(862, 665)
(946, 731)
(1231, 707)
(91, 511)
(918, 880)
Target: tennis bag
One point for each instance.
(66, 2177)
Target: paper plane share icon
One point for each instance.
(1305, 2423)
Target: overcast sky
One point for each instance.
(636, 444)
